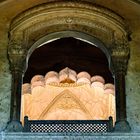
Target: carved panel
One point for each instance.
(79, 100)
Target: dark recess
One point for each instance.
(68, 52)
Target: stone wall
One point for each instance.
(133, 84)
(5, 80)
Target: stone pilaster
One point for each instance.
(17, 59)
(120, 56)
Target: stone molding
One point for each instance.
(78, 13)
(66, 4)
(51, 17)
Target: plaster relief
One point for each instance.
(86, 99)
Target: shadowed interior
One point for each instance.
(68, 52)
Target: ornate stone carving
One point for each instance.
(120, 54)
(120, 47)
(87, 26)
(49, 18)
(120, 65)
(66, 4)
(73, 100)
(69, 98)
(30, 26)
(17, 59)
(17, 55)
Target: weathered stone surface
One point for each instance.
(66, 136)
(5, 87)
(130, 11)
(5, 79)
(133, 103)
(133, 84)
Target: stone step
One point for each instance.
(46, 136)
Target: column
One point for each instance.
(120, 68)
(17, 67)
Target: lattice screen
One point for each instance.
(68, 126)
(76, 128)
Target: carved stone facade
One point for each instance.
(53, 20)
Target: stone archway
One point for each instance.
(73, 19)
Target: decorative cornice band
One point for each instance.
(64, 5)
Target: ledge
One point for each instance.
(56, 136)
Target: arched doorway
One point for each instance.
(98, 26)
(87, 95)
